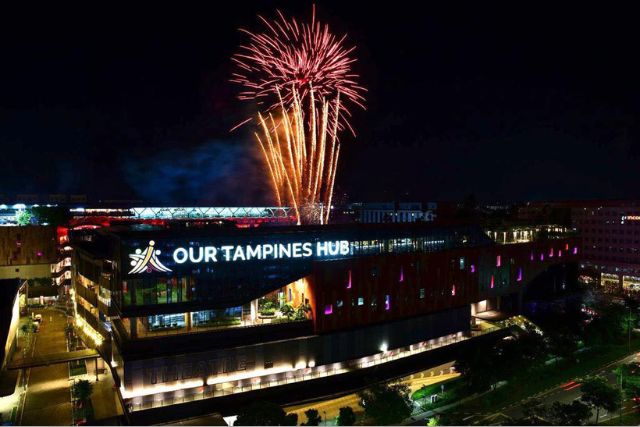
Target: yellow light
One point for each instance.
(89, 331)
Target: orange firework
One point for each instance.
(301, 76)
(302, 154)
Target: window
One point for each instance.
(339, 303)
(360, 301)
(461, 262)
(422, 293)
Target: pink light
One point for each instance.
(498, 261)
(328, 309)
(401, 275)
(541, 257)
(559, 253)
(519, 279)
(453, 291)
(492, 281)
(473, 268)
(575, 250)
(566, 247)
(349, 280)
(531, 256)
(387, 302)
(551, 253)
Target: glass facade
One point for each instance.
(157, 290)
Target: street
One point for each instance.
(46, 400)
(565, 393)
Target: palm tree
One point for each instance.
(287, 310)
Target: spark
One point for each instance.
(297, 57)
(302, 165)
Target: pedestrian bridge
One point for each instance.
(53, 359)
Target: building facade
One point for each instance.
(368, 213)
(219, 311)
(610, 232)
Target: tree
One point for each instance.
(264, 414)
(479, 368)
(51, 215)
(288, 311)
(600, 395)
(82, 390)
(575, 413)
(302, 310)
(534, 413)
(630, 379)
(562, 344)
(346, 417)
(23, 217)
(387, 404)
(313, 417)
(290, 420)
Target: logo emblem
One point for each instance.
(147, 261)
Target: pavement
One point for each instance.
(47, 399)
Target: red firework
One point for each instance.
(293, 56)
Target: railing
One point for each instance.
(238, 383)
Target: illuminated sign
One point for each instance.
(630, 218)
(148, 261)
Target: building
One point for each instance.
(368, 213)
(610, 232)
(27, 252)
(219, 313)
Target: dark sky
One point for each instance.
(514, 100)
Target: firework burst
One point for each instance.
(291, 56)
(300, 74)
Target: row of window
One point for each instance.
(373, 303)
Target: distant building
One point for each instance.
(610, 233)
(386, 212)
(27, 252)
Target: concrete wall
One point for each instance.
(25, 271)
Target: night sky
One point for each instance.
(509, 101)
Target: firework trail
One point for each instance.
(300, 75)
(302, 162)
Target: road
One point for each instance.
(46, 401)
(330, 408)
(565, 393)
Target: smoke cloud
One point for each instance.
(222, 173)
